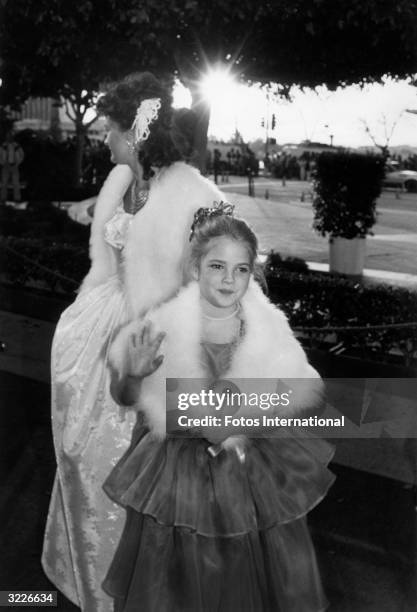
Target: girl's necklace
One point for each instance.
(230, 316)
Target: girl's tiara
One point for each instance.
(219, 209)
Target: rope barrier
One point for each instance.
(357, 327)
(36, 264)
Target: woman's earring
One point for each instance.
(131, 146)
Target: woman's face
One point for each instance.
(117, 140)
(224, 273)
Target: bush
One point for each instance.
(42, 219)
(49, 166)
(346, 187)
(319, 300)
(309, 299)
(58, 261)
(275, 262)
(47, 265)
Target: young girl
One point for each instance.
(215, 525)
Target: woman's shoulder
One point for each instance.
(186, 177)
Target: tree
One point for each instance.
(388, 128)
(304, 42)
(197, 35)
(313, 42)
(67, 50)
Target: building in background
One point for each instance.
(48, 114)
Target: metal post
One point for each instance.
(251, 184)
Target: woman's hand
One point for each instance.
(142, 349)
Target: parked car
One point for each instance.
(402, 179)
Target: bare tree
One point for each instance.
(388, 131)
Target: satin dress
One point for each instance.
(213, 534)
(91, 432)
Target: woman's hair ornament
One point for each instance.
(145, 114)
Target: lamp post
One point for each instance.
(331, 136)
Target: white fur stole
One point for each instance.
(158, 240)
(268, 350)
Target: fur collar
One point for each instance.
(268, 350)
(158, 239)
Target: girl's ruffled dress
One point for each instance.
(212, 534)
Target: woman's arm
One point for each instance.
(104, 259)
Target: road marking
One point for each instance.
(396, 211)
(396, 237)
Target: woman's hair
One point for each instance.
(171, 133)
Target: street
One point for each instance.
(284, 223)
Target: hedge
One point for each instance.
(58, 267)
(319, 300)
(43, 219)
(49, 165)
(309, 299)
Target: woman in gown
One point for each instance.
(138, 240)
(216, 526)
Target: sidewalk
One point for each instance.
(400, 279)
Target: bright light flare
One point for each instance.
(219, 85)
(181, 96)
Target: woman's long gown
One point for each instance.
(137, 262)
(210, 534)
(90, 432)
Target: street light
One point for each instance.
(331, 136)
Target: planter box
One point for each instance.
(347, 256)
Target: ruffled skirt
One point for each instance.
(213, 534)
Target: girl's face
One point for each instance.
(224, 273)
(117, 141)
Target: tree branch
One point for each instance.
(368, 131)
(67, 112)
